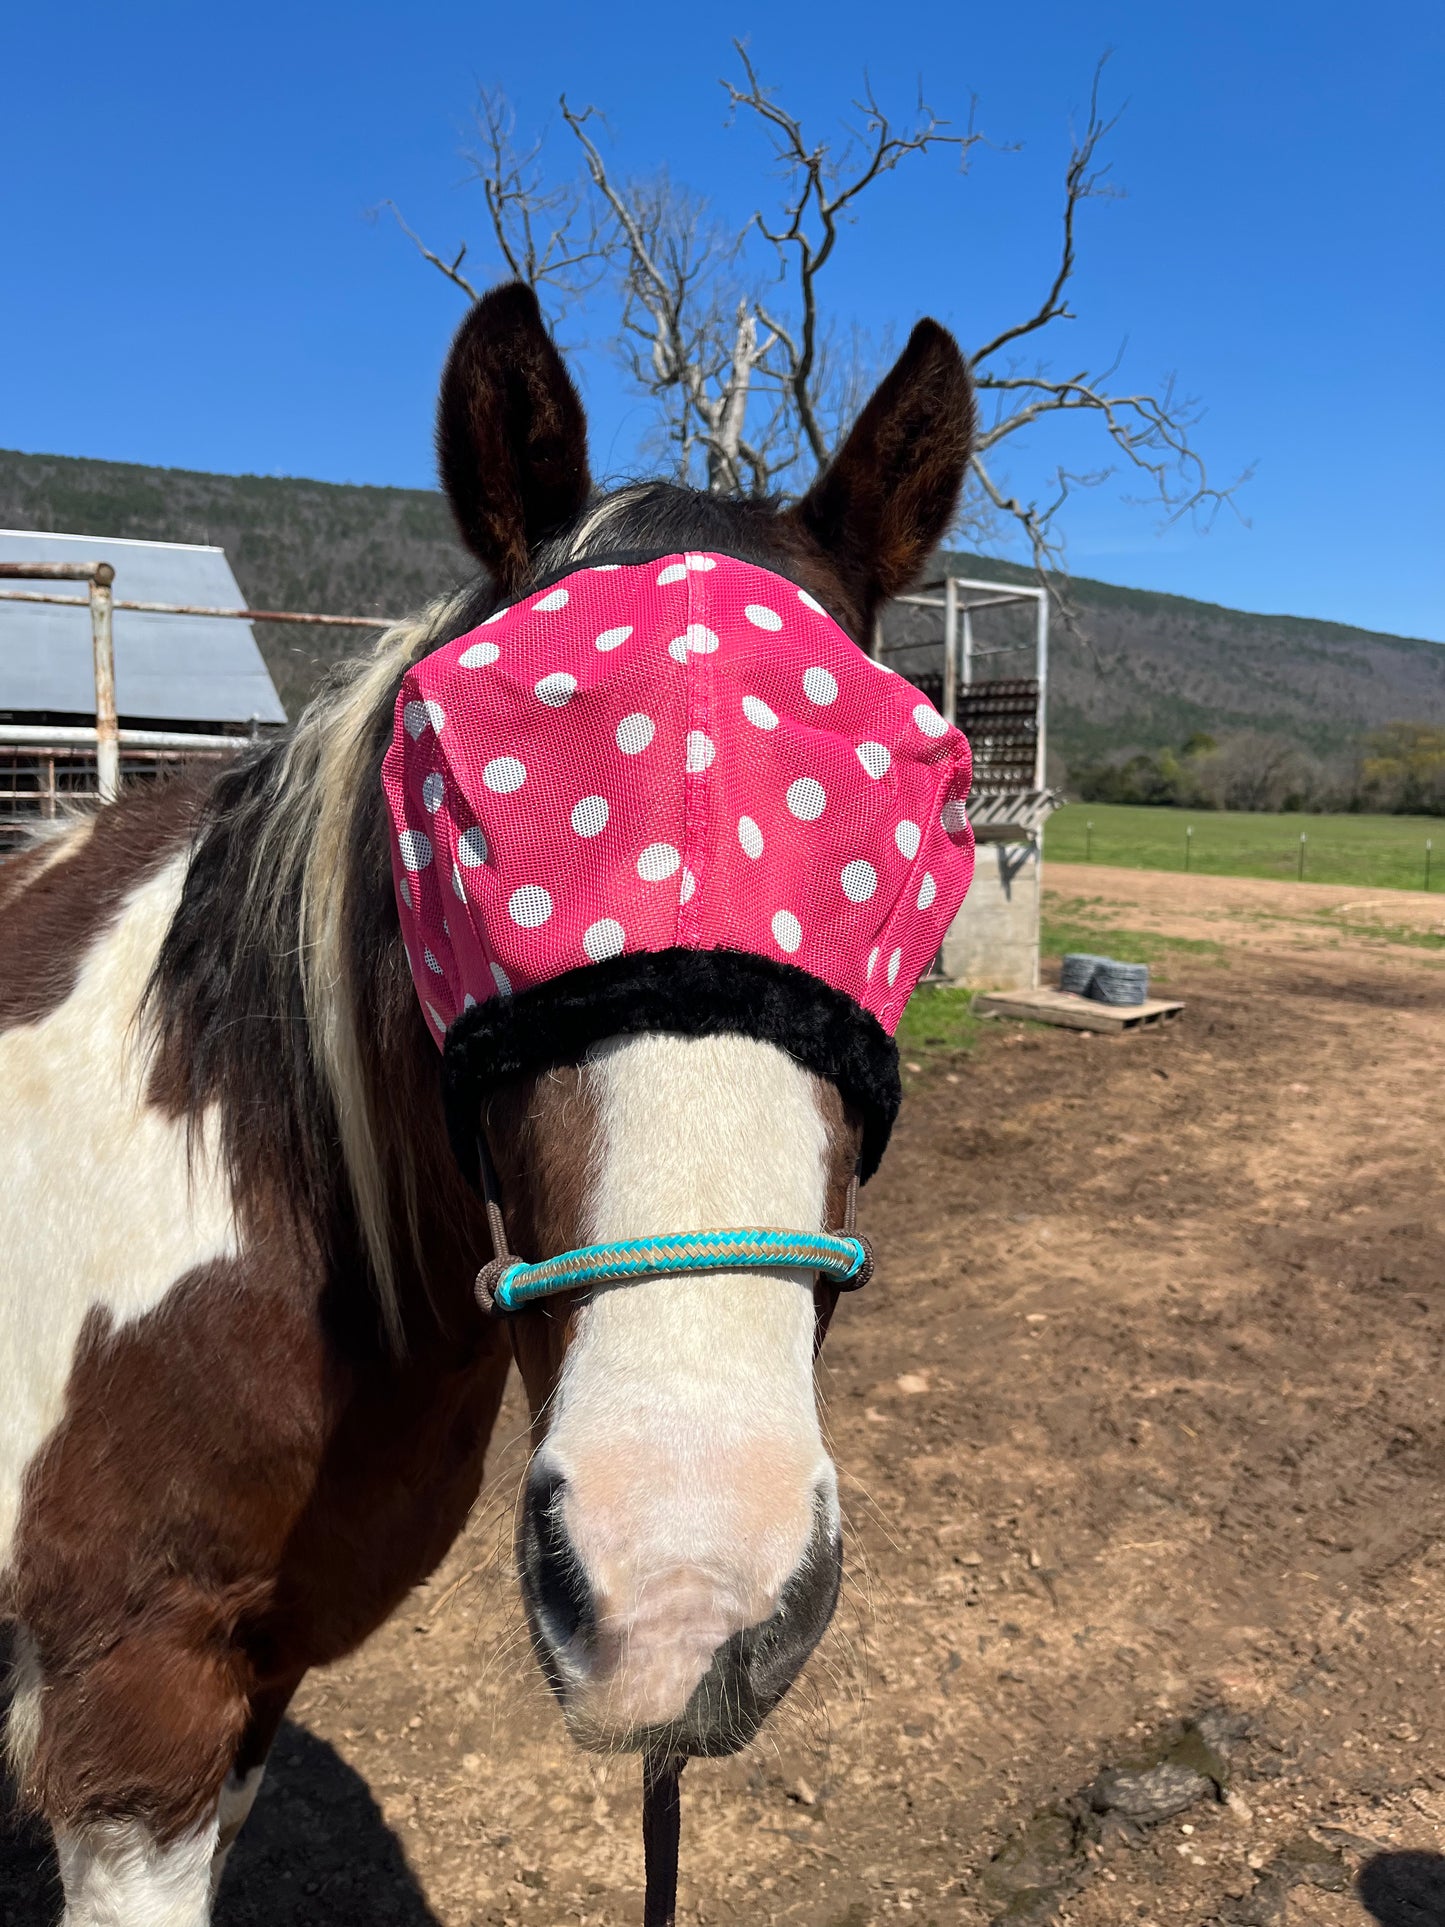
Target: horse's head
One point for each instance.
(679, 1541)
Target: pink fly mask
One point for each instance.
(675, 796)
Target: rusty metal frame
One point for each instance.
(99, 578)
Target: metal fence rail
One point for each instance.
(44, 764)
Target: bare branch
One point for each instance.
(1082, 182)
(534, 226)
(451, 269)
(821, 191)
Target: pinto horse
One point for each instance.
(246, 1388)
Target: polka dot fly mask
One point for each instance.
(685, 755)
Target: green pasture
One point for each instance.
(1365, 852)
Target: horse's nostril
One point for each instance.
(557, 1590)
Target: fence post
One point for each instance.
(107, 730)
(1429, 845)
(949, 705)
(1302, 840)
(1188, 846)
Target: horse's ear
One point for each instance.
(511, 434)
(888, 495)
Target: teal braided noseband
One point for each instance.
(844, 1261)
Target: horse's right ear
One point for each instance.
(511, 434)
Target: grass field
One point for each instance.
(1373, 852)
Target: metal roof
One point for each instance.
(192, 669)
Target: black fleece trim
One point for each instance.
(690, 993)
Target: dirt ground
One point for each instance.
(1142, 1422)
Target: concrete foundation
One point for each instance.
(993, 942)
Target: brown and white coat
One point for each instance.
(245, 1388)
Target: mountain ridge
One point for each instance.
(1147, 668)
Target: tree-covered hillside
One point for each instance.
(1147, 669)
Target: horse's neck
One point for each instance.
(326, 1094)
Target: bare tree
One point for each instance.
(728, 333)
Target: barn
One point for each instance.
(186, 686)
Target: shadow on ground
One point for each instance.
(1404, 1889)
(316, 1850)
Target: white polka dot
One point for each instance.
(927, 890)
(657, 861)
(750, 836)
(495, 616)
(469, 1002)
(504, 773)
(415, 847)
(762, 617)
(432, 964)
(893, 963)
(689, 884)
(872, 961)
(554, 599)
(811, 602)
(874, 758)
(820, 685)
(929, 720)
(472, 850)
(700, 751)
(416, 715)
(432, 1012)
(501, 980)
(530, 905)
(481, 655)
(908, 836)
(806, 799)
(694, 564)
(613, 638)
(603, 568)
(403, 890)
(589, 817)
(696, 637)
(954, 818)
(457, 885)
(556, 689)
(758, 713)
(787, 931)
(604, 938)
(859, 880)
(635, 732)
(433, 790)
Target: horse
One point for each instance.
(248, 1385)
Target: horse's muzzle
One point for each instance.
(724, 1681)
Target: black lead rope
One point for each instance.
(661, 1827)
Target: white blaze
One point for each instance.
(685, 1423)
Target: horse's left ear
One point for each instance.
(511, 434)
(887, 497)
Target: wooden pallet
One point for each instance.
(1075, 1013)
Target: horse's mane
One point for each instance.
(281, 993)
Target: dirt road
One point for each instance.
(1142, 1422)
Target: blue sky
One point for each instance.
(191, 277)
